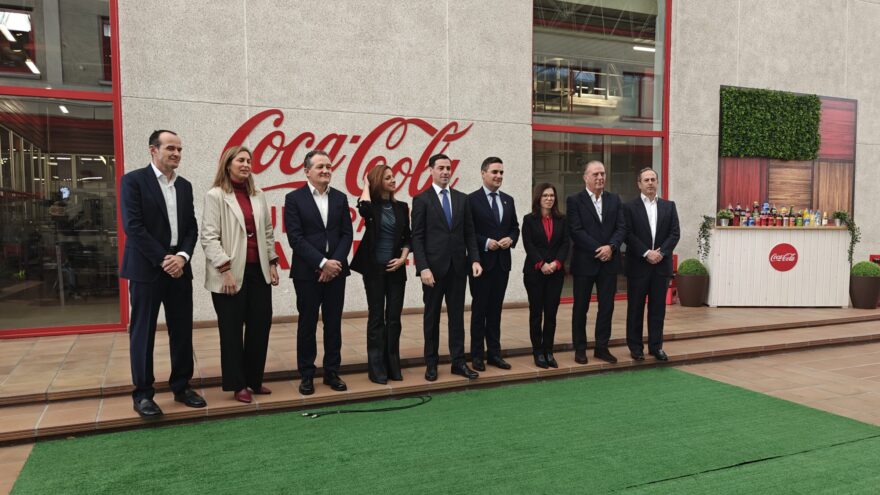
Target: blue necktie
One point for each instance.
(495, 211)
(447, 208)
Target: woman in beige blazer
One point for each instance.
(240, 250)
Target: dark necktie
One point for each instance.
(447, 208)
(495, 211)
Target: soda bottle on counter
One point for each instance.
(825, 218)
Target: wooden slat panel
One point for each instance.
(790, 184)
(833, 186)
(741, 180)
(837, 129)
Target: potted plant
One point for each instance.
(692, 280)
(839, 217)
(864, 285)
(724, 216)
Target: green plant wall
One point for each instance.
(769, 124)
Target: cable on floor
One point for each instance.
(421, 400)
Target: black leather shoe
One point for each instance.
(431, 373)
(605, 355)
(463, 370)
(541, 361)
(660, 355)
(580, 357)
(190, 398)
(638, 356)
(551, 361)
(147, 409)
(479, 365)
(307, 385)
(380, 381)
(334, 382)
(397, 377)
(498, 362)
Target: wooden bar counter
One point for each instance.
(779, 266)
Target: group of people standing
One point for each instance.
(454, 237)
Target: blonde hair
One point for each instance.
(222, 179)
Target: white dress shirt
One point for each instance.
(322, 201)
(597, 203)
(651, 208)
(500, 208)
(170, 195)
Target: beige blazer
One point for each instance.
(223, 236)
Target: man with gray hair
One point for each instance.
(318, 226)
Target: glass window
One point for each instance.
(58, 263)
(559, 158)
(56, 44)
(598, 63)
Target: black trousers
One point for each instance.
(606, 287)
(543, 292)
(653, 287)
(175, 294)
(487, 292)
(451, 287)
(328, 297)
(242, 361)
(385, 303)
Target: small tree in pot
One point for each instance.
(724, 217)
(864, 285)
(692, 280)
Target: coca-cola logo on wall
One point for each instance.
(783, 257)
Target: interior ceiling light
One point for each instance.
(32, 66)
(63, 109)
(7, 34)
(16, 21)
(644, 49)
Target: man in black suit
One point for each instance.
(597, 229)
(652, 234)
(443, 242)
(318, 225)
(497, 232)
(161, 233)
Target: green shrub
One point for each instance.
(724, 214)
(692, 266)
(865, 269)
(840, 215)
(769, 124)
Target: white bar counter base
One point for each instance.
(740, 272)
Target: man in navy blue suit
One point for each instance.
(497, 231)
(161, 232)
(652, 234)
(318, 225)
(597, 228)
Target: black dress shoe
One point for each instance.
(463, 370)
(660, 355)
(479, 365)
(190, 398)
(380, 381)
(431, 373)
(307, 385)
(498, 362)
(638, 356)
(580, 357)
(551, 361)
(147, 409)
(397, 377)
(605, 355)
(333, 381)
(541, 361)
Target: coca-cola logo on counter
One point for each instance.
(783, 257)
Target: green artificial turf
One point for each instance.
(649, 431)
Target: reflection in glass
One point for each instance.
(58, 263)
(598, 63)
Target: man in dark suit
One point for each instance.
(597, 229)
(318, 225)
(497, 232)
(443, 242)
(161, 233)
(652, 234)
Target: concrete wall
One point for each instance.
(825, 47)
(203, 68)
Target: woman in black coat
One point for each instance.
(545, 237)
(381, 259)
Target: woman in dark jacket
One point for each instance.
(545, 238)
(381, 259)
